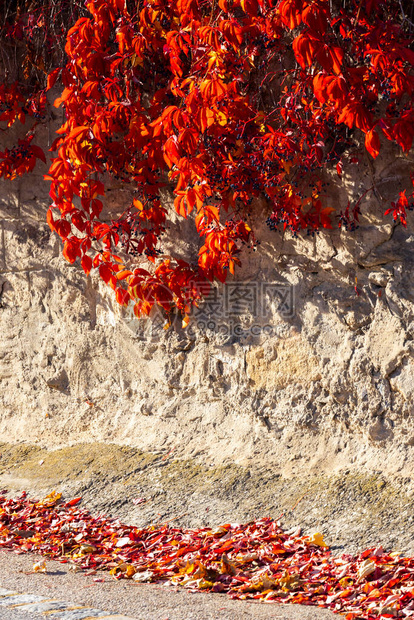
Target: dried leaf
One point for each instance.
(143, 577)
(84, 549)
(256, 560)
(123, 542)
(366, 568)
(317, 539)
(39, 567)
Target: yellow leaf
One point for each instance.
(212, 61)
(289, 582)
(227, 567)
(203, 583)
(127, 569)
(130, 571)
(85, 549)
(317, 539)
(39, 567)
(345, 582)
(221, 118)
(189, 568)
(49, 500)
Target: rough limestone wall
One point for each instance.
(313, 375)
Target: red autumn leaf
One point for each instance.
(92, 89)
(207, 118)
(62, 228)
(213, 89)
(399, 208)
(86, 263)
(78, 220)
(305, 46)
(52, 77)
(356, 115)
(122, 274)
(324, 216)
(188, 139)
(64, 97)
(190, 199)
(403, 130)
(330, 57)
(291, 12)
(50, 220)
(233, 32)
(122, 296)
(78, 132)
(316, 16)
(180, 203)
(73, 501)
(38, 152)
(56, 167)
(172, 151)
(70, 250)
(105, 272)
(176, 66)
(372, 143)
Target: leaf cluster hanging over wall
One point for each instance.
(220, 102)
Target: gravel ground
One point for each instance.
(138, 601)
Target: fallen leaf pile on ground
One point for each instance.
(255, 560)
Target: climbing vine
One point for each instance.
(220, 103)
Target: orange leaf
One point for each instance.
(70, 251)
(179, 204)
(50, 220)
(122, 296)
(304, 47)
(82, 130)
(324, 215)
(52, 77)
(372, 143)
(206, 118)
(121, 275)
(290, 11)
(171, 151)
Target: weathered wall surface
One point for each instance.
(288, 366)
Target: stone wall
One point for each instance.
(288, 365)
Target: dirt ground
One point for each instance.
(353, 509)
(136, 601)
